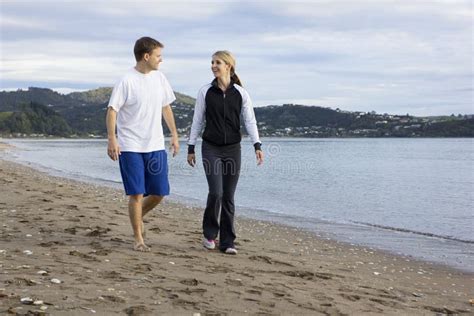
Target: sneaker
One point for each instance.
(209, 243)
(231, 251)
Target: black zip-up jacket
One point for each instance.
(222, 111)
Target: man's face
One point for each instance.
(154, 59)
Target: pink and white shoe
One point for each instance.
(209, 244)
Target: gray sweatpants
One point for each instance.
(222, 168)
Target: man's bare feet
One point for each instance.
(140, 246)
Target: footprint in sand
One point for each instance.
(51, 243)
(255, 292)
(114, 275)
(155, 229)
(269, 260)
(191, 282)
(82, 255)
(143, 267)
(278, 294)
(307, 275)
(184, 303)
(350, 297)
(234, 282)
(193, 291)
(101, 252)
(71, 230)
(21, 282)
(137, 310)
(112, 298)
(98, 232)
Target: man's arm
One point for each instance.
(169, 119)
(113, 149)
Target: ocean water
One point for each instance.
(413, 197)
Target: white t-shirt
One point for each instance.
(139, 98)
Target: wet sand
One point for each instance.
(78, 235)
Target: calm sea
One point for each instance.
(408, 196)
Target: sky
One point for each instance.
(386, 56)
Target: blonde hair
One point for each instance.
(229, 59)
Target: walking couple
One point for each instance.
(138, 102)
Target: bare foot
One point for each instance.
(140, 246)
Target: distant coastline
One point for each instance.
(44, 113)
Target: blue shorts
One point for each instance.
(145, 173)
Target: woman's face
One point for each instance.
(219, 67)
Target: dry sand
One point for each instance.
(79, 234)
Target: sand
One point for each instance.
(68, 246)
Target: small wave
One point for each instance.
(404, 230)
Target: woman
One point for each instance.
(220, 104)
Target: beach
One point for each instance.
(66, 249)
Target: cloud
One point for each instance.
(366, 55)
(369, 9)
(14, 22)
(177, 10)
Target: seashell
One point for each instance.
(26, 301)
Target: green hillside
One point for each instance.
(43, 111)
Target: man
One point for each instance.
(137, 103)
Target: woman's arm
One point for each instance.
(251, 125)
(196, 126)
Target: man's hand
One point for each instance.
(174, 147)
(259, 155)
(192, 159)
(113, 149)
(169, 119)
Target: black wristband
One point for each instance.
(190, 149)
(257, 146)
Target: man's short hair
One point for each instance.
(145, 45)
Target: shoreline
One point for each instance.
(279, 269)
(390, 240)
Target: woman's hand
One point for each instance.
(192, 159)
(259, 155)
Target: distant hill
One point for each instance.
(9, 100)
(34, 118)
(83, 114)
(83, 111)
(96, 96)
(48, 97)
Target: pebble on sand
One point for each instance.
(55, 281)
(26, 301)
